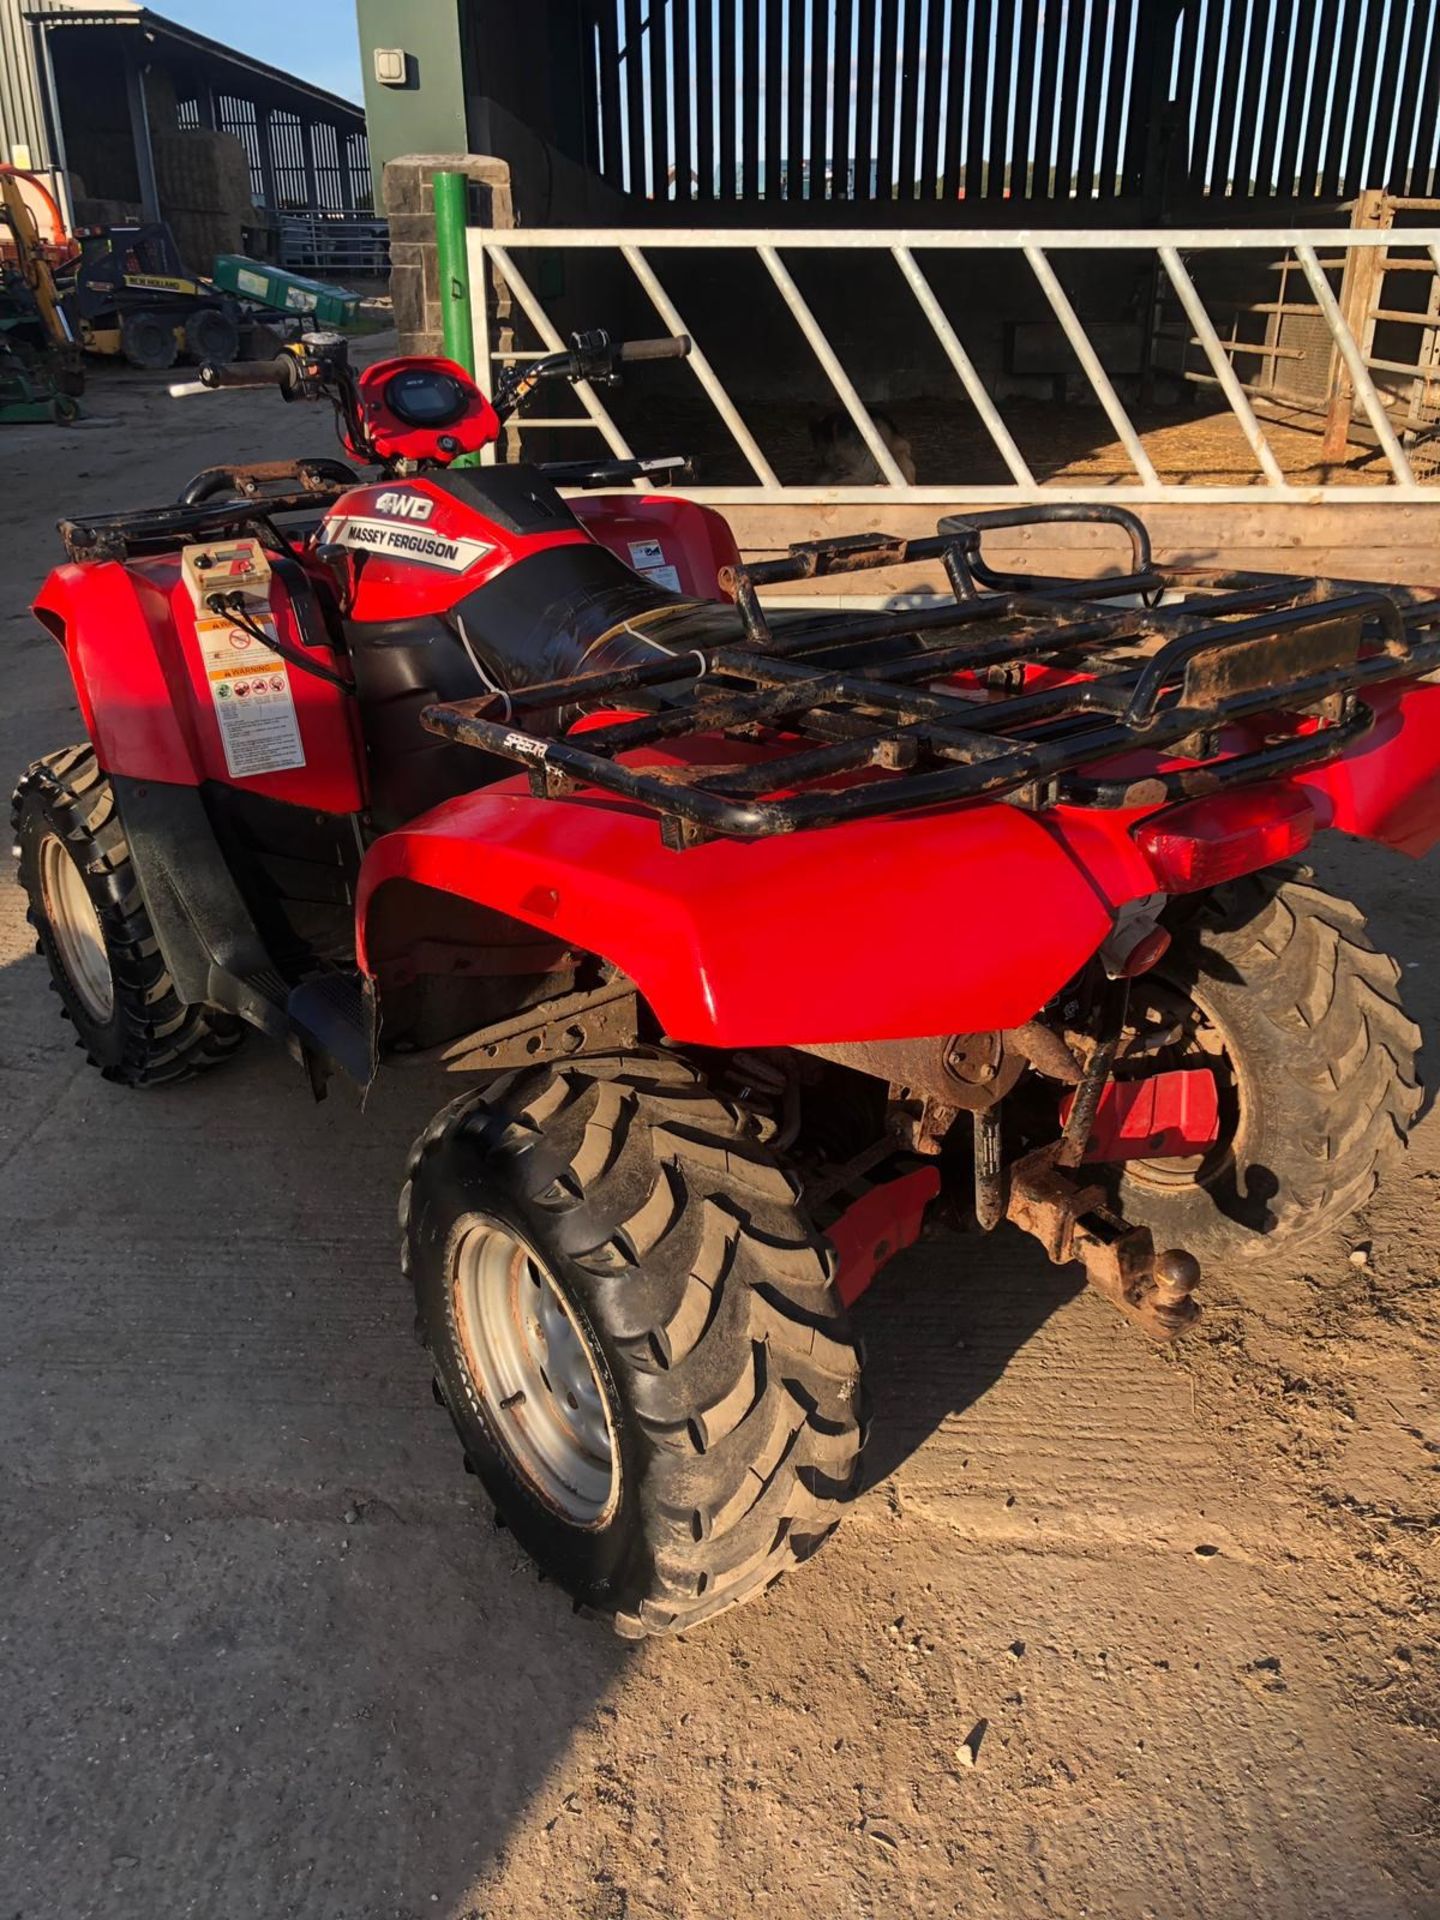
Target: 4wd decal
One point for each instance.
(406, 543)
(406, 506)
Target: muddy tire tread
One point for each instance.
(715, 1295)
(160, 1040)
(1338, 1049)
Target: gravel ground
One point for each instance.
(1110, 1631)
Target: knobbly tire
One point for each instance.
(1317, 1074)
(117, 992)
(679, 1254)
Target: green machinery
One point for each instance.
(27, 395)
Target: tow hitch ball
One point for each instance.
(1072, 1222)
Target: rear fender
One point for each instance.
(1388, 787)
(885, 929)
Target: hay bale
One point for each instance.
(202, 172)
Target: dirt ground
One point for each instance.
(262, 1652)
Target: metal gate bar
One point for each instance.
(1314, 250)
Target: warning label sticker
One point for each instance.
(647, 557)
(250, 689)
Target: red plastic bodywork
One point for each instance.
(392, 587)
(921, 921)
(394, 439)
(694, 542)
(874, 1228)
(129, 636)
(936, 922)
(1386, 788)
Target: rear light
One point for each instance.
(1224, 835)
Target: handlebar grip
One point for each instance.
(674, 348)
(274, 374)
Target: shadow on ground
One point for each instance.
(266, 1652)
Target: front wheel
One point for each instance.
(94, 932)
(1272, 985)
(636, 1332)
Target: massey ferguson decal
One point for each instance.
(398, 542)
(406, 506)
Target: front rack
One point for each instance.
(837, 717)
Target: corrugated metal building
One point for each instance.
(86, 91)
(26, 117)
(977, 110)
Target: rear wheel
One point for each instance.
(94, 932)
(1272, 984)
(636, 1332)
(147, 340)
(211, 337)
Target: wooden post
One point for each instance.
(149, 193)
(347, 179)
(265, 139)
(1359, 291)
(312, 184)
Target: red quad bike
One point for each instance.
(759, 936)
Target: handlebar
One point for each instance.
(318, 366)
(590, 356)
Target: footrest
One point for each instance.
(333, 1015)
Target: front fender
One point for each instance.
(881, 930)
(115, 627)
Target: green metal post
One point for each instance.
(454, 266)
(457, 328)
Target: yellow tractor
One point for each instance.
(129, 292)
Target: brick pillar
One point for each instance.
(414, 273)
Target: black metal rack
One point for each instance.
(1242, 677)
(149, 530)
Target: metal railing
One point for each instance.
(319, 241)
(494, 262)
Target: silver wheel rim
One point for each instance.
(75, 927)
(532, 1366)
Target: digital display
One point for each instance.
(424, 397)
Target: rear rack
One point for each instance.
(1241, 677)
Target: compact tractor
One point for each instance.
(757, 938)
